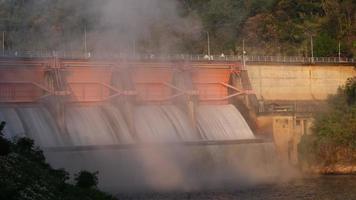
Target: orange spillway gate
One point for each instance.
(212, 85)
(22, 81)
(25, 81)
(89, 84)
(152, 84)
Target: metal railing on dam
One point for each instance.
(188, 57)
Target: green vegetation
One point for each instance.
(269, 27)
(24, 175)
(334, 133)
(280, 26)
(86, 179)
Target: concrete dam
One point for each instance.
(159, 101)
(138, 122)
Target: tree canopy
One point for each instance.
(334, 133)
(25, 175)
(269, 27)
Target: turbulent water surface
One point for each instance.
(316, 188)
(157, 161)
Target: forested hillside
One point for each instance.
(269, 27)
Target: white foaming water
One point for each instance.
(87, 125)
(181, 122)
(40, 126)
(163, 124)
(13, 128)
(222, 122)
(152, 167)
(104, 125)
(118, 123)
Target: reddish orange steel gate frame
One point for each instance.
(26, 81)
(20, 83)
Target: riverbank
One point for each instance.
(335, 169)
(328, 161)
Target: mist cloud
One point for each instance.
(149, 25)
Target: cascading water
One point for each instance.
(222, 122)
(40, 126)
(153, 166)
(153, 125)
(118, 123)
(163, 123)
(181, 122)
(87, 125)
(13, 128)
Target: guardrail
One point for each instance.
(189, 57)
(298, 59)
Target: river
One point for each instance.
(313, 188)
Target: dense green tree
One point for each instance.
(350, 91)
(281, 26)
(334, 133)
(86, 179)
(4, 144)
(24, 175)
(325, 45)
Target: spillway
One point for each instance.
(147, 168)
(38, 123)
(14, 127)
(163, 127)
(222, 122)
(86, 125)
(117, 122)
(163, 124)
(105, 125)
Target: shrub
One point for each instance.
(4, 146)
(25, 175)
(86, 179)
(334, 131)
(4, 143)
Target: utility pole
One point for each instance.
(134, 47)
(85, 41)
(3, 43)
(243, 54)
(339, 51)
(312, 49)
(208, 37)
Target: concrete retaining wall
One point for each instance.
(297, 82)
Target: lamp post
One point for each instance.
(208, 38)
(3, 43)
(312, 49)
(339, 51)
(243, 54)
(85, 42)
(134, 47)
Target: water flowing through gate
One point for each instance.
(135, 122)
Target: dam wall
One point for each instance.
(191, 98)
(137, 123)
(116, 102)
(297, 82)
